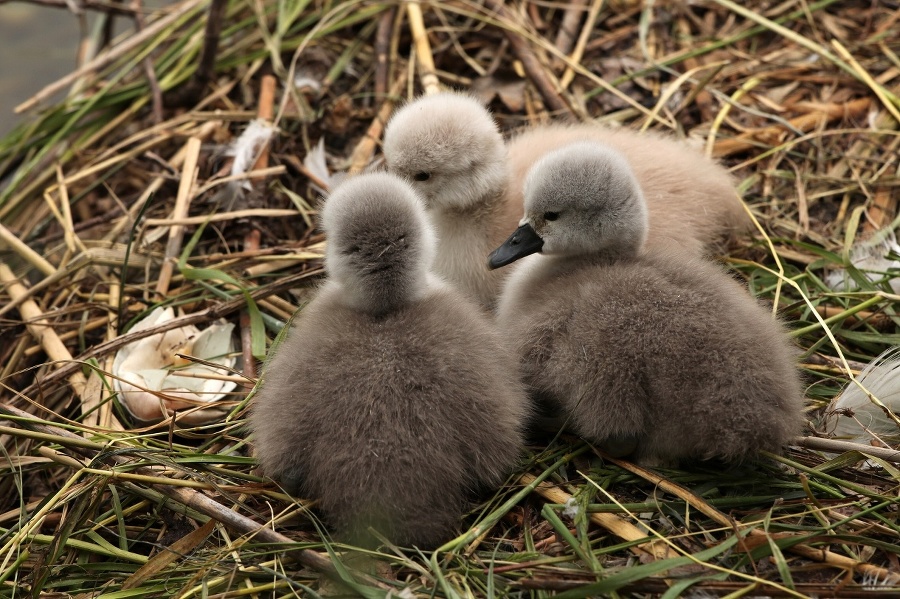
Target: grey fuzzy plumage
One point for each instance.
(662, 351)
(391, 397)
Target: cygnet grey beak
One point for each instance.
(523, 242)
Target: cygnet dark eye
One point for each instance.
(551, 215)
(423, 176)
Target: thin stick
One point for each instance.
(182, 204)
(149, 71)
(565, 37)
(838, 446)
(265, 112)
(40, 328)
(251, 243)
(99, 6)
(430, 82)
(383, 36)
(586, 31)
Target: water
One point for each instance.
(38, 45)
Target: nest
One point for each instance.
(130, 194)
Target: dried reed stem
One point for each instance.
(28, 254)
(429, 79)
(182, 205)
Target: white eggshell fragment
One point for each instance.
(151, 379)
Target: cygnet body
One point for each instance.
(660, 355)
(391, 397)
(449, 146)
(692, 203)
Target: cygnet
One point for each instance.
(658, 355)
(449, 146)
(692, 202)
(391, 397)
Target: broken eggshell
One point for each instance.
(150, 378)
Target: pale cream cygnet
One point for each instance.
(448, 146)
(660, 355)
(391, 397)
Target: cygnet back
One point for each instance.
(449, 148)
(658, 354)
(388, 408)
(691, 199)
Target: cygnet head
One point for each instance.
(380, 243)
(449, 148)
(580, 200)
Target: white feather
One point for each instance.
(869, 256)
(315, 162)
(856, 416)
(248, 146)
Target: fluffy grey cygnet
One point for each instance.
(448, 146)
(391, 397)
(692, 203)
(661, 355)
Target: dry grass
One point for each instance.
(105, 205)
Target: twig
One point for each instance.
(586, 31)
(251, 242)
(430, 82)
(265, 111)
(191, 93)
(568, 28)
(182, 204)
(383, 65)
(23, 250)
(772, 134)
(838, 446)
(96, 5)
